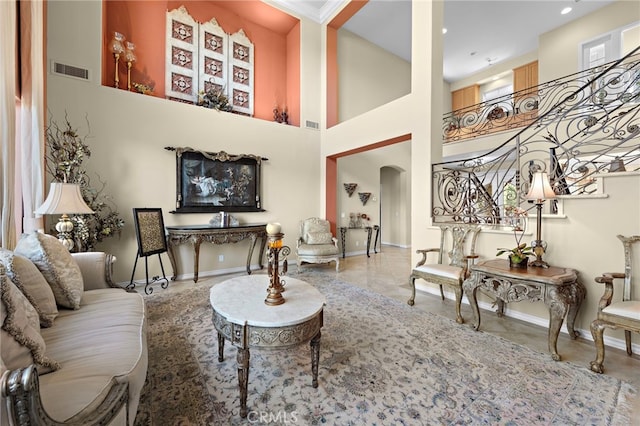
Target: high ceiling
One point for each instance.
(479, 33)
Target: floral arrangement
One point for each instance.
(65, 152)
(214, 98)
(521, 251)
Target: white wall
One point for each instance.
(368, 76)
(129, 132)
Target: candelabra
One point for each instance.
(276, 251)
(130, 57)
(117, 48)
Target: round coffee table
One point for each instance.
(241, 317)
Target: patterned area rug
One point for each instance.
(381, 363)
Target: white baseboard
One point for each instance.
(396, 245)
(542, 322)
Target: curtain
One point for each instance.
(8, 64)
(22, 114)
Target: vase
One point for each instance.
(522, 264)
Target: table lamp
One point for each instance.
(540, 190)
(64, 199)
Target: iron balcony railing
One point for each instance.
(573, 128)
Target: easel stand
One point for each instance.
(147, 288)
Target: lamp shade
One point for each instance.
(64, 198)
(540, 187)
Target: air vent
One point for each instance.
(313, 125)
(70, 71)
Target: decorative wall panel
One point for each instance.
(201, 57)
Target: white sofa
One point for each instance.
(100, 348)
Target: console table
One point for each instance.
(241, 317)
(557, 287)
(196, 234)
(368, 229)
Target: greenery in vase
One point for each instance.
(521, 251)
(65, 152)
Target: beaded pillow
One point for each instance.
(57, 266)
(22, 344)
(319, 238)
(26, 276)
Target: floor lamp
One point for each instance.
(64, 199)
(539, 192)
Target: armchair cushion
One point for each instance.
(22, 343)
(29, 280)
(319, 238)
(446, 271)
(317, 250)
(628, 309)
(56, 264)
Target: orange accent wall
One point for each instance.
(143, 23)
(331, 180)
(332, 57)
(292, 103)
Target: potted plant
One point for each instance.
(519, 255)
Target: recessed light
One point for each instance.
(444, 31)
(565, 10)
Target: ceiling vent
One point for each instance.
(312, 125)
(70, 71)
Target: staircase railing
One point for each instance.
(576, 127)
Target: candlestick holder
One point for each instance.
(117, 48)
(130, 57)
(276, 251)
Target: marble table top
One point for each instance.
(241, 300)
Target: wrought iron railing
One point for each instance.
(577, 127)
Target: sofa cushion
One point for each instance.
(319, 238)
(102, 342)
(56, 264)
(22, 344)
(29, 280)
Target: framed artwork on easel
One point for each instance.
(149, 231)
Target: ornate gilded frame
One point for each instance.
(211, 182)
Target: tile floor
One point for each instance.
(387, 273)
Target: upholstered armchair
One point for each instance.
(316, 244)
(451, 268)
(623, 313)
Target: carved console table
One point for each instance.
(368, 229)
(241, 316)
(196, 234)
(557, 287)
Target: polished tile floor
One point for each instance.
(387, 273)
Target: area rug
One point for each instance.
(381, 363)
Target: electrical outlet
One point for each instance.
(221, 258)
(357, 243)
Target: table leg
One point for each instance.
(243, 379)
(254, 238)
(172, 259)
(263, 244)
(557, 310)
(578, 293)
(220, 347)
(343, 239)
(470, 288)
(368, 229)
(375, 243)
(315, 358)
(196, 259)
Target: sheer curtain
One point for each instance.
(22, 114)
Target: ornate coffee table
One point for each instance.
(241, 316)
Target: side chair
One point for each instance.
(450, 270)
(623, 314)
(316, 243)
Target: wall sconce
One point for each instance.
(117, 48)
(540, 190)
(64, 199)
(130, 57)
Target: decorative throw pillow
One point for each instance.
(319, 238)
(57, 266)
(26, 276)
(22, 344)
